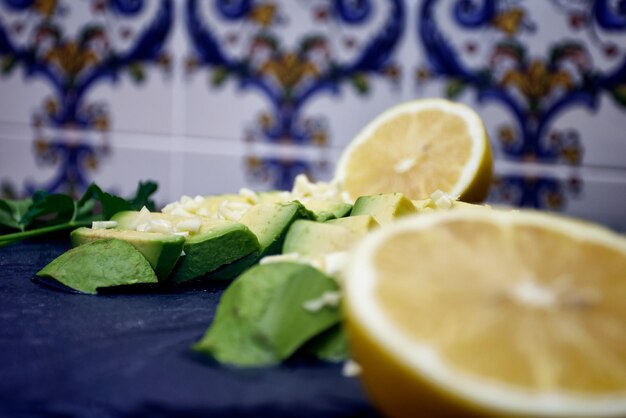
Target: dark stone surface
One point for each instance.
(123, 355)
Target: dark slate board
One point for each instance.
(123, 355)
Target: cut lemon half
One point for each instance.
(471, 313)
(417, 148)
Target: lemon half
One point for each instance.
(490, 313)
(417, 148)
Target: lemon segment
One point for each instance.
(417, 148)
(490, 313)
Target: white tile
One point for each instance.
(118, 169)
(233, 110)
(18, 165)
(594, 194)
(544, 26)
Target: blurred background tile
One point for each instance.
(209, 96)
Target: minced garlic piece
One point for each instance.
(189, 225)
(351, 369)
(329, 298)
(232, 211)
(103, 224)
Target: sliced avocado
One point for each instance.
(261, 318)
(324, 210)
(317, 238)
(215, 244)
(99, 264)
(330, 345)
(161, 250)
(361, 224)
(386, 207)
(269, 222)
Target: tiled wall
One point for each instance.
(209, 96)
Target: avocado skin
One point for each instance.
(260, 320)
(100, 264)
(161, 250)
(206, 252)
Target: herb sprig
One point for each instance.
(46, 213)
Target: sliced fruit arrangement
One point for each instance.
(453, 309)
(490, 313)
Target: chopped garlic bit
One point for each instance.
(334, 263)
(351, 369)
(142, 218)
(103, 224)
(161, 225)
(156, 225)
(232, 211)
(179, 211)
(249, 194)
(294, 258)
(284, 197)
(170, 207)
(329, 298)
(183, 253)
(441, 200)
(269, 259)
(304, 189)
(331, 264)
(189, 225)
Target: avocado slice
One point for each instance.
(261, 318)
(317, 238)
(330, 345)
(99, 264)
(216, 243)
(360, 224)
(324, 210)
(269, 222)
(385, 208)
(161, 250)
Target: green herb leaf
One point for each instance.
(11, 212)
(142, 196)
(46, 213)
(49, 209)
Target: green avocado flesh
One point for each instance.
(269, 222)
(161, 250)
(216, 244)
(316, 238)
(261, 320)
(385, 208)
(100, 264)
(324, 210)
(359, 224)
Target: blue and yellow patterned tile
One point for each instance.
(290, 73)
(77, 50)
(548, 78)
(537, 60)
